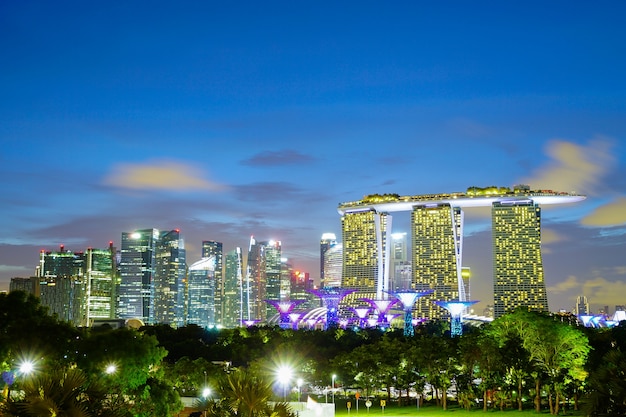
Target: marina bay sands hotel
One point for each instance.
(437, 246)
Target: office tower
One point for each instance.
(169, 279)
(137, 265)
(286, 272)
(273, 274)
(62, 285)
(333, 265)
(518, 266)
(365, 255)
(233, 302)
(27, 285)
(213, 248)
(436, 230)
(582, 306)
(301, 285)
(255, 282)
(201, 289)
(398, 262)
(328, 241)
(100, 279)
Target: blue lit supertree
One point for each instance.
(456, 309)
(331, 297)
(408, 298)
(381, 307)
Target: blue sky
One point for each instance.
(232, 119)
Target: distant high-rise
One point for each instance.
(201, 288)
(263, 278)
(582, 306)
(437, 235)
(518, 266)
(333, 265)
(398, 263)
(213, 248)
(234, 302)
(365, 250)
(137, 269)
(152, 277)
(327, 241)
(169, 279)
(273, 269)
(100, 281)
(62, 285)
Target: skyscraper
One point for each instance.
(169, 279)
(518, 266)
(255, 284)
(234, 302)
(582, 306)
(213, 248)
(328, 241)
(201, 287)
(333, 265)
(152, 277)
(365, 251)
(100, 280)
(436, 230)
(62, 284)
(137, 269)
(399, 265)
(273, 275)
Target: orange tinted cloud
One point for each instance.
(611, 214)
(574, 167)
(172, 176)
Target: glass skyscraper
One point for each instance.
(201, 284)
(234, 302)
(517, 261)
(100, 280)
(211, 248)
(169, 279)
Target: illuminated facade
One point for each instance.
(274, 275)
(437, 237)
(233, 301)
(263, 277)
(136, 298)
(364, 235)
(211, 248)
(169, 279)
(517, 261)
(582, 306)
(333, 264)
(201, 288)
(327, 241)
(62, 285)
(100, 281)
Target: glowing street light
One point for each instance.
(110, 369)
(26, 367)
(284, 374)
(299, 382)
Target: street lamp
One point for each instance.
(284, 376)
(333, 387)
(299, 386)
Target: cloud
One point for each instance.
(574, 167)
(163, 175)
(612, 214)
(276, 158)
(549, 236)
(570, 283)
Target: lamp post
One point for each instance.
(299, 388)
(284, 376)
(333, 387)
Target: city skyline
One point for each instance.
(228, 122)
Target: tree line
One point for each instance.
(521, 360)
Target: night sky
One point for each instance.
(232, 119)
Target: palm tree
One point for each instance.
(60, 393)
(243, 394)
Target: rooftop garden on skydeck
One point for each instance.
(481, 196)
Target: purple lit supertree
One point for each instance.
(408, 298)
(249, 323)
(361, 313)
(381, 307)
(456, 309)
(331, 297)
(284, 308)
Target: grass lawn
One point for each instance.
(393, 410)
